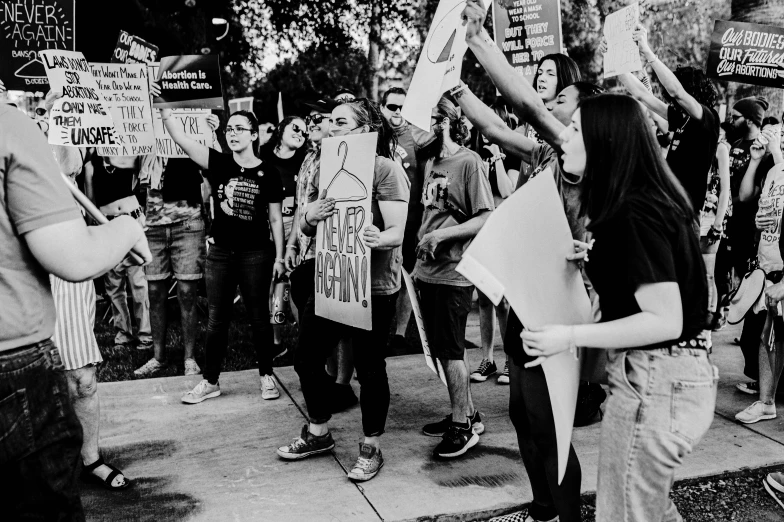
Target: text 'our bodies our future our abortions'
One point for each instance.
(80, 117)
(747, 53)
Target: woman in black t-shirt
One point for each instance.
(246, 194)
(646, 267)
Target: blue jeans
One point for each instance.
(40, 437)
(661, 404)
(252, 271)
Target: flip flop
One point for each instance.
(89, 476)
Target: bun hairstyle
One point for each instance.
(253, 123)
(458, 130)
(367, 112)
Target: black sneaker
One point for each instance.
(457, 440)
(485, 370)
(306, 445)
(437, 429)
(343, 398)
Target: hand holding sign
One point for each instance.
(622, 54)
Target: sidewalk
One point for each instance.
(217, 461)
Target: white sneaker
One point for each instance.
(268, 389)
(203, 391)
(191, 368)
(149, 368)
(757, 412)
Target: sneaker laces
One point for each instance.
(152, 364)
(483, 366)
(363, 463)
(267, 382)
(199, 388)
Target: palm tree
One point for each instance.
(760, 12)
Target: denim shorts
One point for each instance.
(177, 250)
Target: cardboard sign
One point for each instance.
(440, 63)
(542, 287)
(132, 49)
(622, 54)
(241, 104)
(342, 259)
(526, 31)
(126, 92)
(28, 27)
(432, 362)
(194, 124)
(80, 118)
(747, 53)
(190, 81)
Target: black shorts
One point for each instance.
(410, 243)
(445, 313)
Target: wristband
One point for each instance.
(460, 87)
(308, 222)
(279, 260)
(294, 247)
(651, 61)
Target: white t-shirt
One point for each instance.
(771, 201)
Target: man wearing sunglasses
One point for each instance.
(409, 142)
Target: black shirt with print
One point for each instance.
(692, 150)
(240, 196)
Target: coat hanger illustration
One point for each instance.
(439, 48)
(345, 183)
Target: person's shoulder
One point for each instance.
(387, 166)
(469, 155)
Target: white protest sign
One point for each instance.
(125, 90)
(622, 54)
(80, 117)
(440, 62)
(193, 123)
(527, 264)
(432, 362)
(343, 288)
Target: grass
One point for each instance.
(119, 363)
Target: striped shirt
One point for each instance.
(73, 332)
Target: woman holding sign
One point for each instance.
(646, 267)
(246, 193)
(319, 336)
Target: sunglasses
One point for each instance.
(316, 119)
(295, 128)
(394, 108)
(40, 111)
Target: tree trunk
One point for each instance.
(770, 12)
(374, 44)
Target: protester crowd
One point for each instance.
(671, 212)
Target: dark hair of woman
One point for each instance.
(697, 84)
(367, 112)
(253, 123)
(622, 159)
(277, 134)
(566, 70)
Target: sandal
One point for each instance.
(89, 476)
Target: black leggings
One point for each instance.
(532, 415)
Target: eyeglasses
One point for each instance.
(316, 119)
(40, 111)
(295, 128)
(393, 107)
(236, 130)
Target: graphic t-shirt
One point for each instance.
(646, 243)
(34, 196)
(390, 183)
(771, 202)
(289, 172)
(455, 190)
(241, 196)
(692, 150)
(569, 186)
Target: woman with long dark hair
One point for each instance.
(247, 193)
(646, 267)
(319, 336)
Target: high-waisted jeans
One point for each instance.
(252, 271)
(661, 404)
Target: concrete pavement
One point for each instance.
(217, 461)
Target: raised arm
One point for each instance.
(195, 150)
(518, 92)
(641, 93)
(748, 189)
(666, 77)
(491, 126)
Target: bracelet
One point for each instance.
(460, 88)
(279, 260)
(293, 247)
(308, 222)
(654, 60)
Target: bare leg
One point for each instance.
(456, 373)
(486, 326)
(83, 391)
(402, 312)
(159, 292)
(710, 268)
(187, 295)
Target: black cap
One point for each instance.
(322, 104)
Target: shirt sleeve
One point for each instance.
(36, 194)
(675, 117)
(313, 186)
(390, 182)
(478, 191)
(274, 189)
(644, 250)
